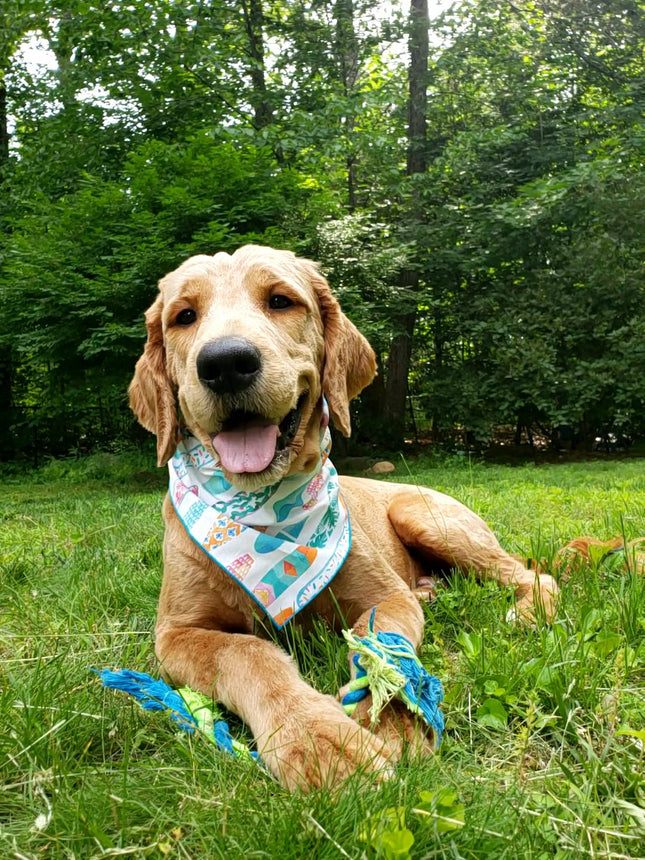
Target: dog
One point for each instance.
(253, 352)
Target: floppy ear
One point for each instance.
(152, 398)
(350, 363)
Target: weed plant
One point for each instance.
(543, 752)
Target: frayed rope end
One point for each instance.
(190, 709)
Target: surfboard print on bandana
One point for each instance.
(283, 544)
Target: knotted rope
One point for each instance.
(387, 666)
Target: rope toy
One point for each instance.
(191, 710)
(387, 666)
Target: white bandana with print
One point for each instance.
(282, 544)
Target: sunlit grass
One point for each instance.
(533, 750)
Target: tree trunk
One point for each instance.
(348, 64)
(62, 45)
(398, 365)
(417, 90)
(4, 126)
(254, 25)
(6, 367)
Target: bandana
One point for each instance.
(283, 544)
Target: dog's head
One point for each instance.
(247, 344)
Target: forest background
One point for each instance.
(471, 181)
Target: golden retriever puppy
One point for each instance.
(244, 352)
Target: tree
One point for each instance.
(14, 21)
(525, 195)
(489, 247)
(400, 350)
(109, 243)
(254, 26)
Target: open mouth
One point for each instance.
(249, 442)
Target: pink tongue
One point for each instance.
(249, 449)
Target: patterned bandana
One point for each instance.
(283, 544)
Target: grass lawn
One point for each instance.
(544, 749)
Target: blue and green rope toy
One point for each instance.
(191, 710)
(387, 666)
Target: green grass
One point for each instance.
(532, 760)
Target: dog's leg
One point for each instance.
(373, 597)
(304, 737)
(396, 726)
(443, 529)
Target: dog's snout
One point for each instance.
(228, 365)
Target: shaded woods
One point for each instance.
(471, 181)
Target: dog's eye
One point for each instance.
(279, 303)
(186, 317)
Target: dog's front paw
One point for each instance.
(398, 728)
(321, 746)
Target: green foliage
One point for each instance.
(533, 271)
(387, 834)
(157, 130)
(362, 259)
(109, 245)
(444, 808)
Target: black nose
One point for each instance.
(228, 365)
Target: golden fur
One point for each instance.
(207, 633)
